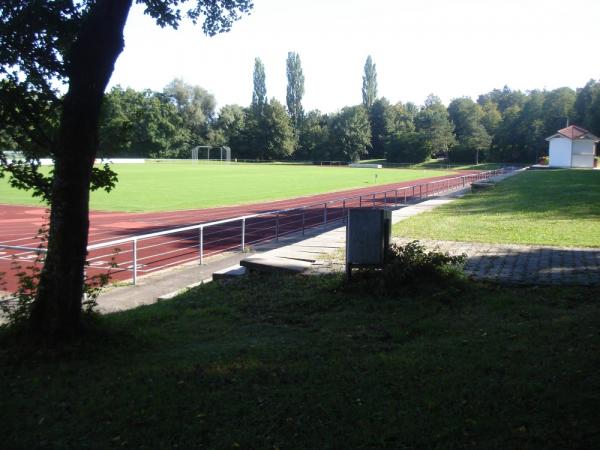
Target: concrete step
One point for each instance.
(481, 185)
(229, 272)
(275, 264)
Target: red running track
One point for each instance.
(19, 226)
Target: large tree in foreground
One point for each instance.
(76, 44)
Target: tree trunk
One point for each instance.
(56, 311)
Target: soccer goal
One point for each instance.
(204, 152)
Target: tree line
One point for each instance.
(502, 125)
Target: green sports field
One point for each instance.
(177, 186)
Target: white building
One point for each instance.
(572, 147)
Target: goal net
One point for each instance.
(211, 153)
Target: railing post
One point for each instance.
(343, 209)
(325, 213)
(405, 196)
(373, 201)
(360, 201)
(201, 244)
(421, 192)
(243, 234)
(135, 262)
(385, 198)
(396, 198)
(277, 227)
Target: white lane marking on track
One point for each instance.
(99, 263)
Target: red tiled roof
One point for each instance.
(573, 132)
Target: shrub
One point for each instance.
(411, 267)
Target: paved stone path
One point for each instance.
(524, 264)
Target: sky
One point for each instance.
(451, 48)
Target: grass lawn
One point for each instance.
(306, 363)
(175, 186)
(559, 207)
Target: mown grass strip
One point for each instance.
(558, 207)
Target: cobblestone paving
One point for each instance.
(525, 264)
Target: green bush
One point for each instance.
(411, 268)
(411, 265)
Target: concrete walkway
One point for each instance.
(168, 283)
(323, 248)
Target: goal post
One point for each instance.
(227, 152)
(219, 153)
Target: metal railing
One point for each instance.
(198, 241)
